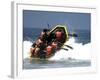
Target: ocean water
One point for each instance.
(36, 64)
(79, 57)
(31, 34)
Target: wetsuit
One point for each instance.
(45, 36)
(50, 37)
(42, 53)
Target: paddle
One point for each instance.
(69, 46)
(64, 49)
(66, 45)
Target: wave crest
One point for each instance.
(79, 51)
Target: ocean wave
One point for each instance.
(26, 48)
(79, 51)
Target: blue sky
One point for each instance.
(40, 19)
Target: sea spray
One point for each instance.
(26, 48)
(79, 51)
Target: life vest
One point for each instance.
(49, 50)
(58, 35)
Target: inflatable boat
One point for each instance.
(56, 37)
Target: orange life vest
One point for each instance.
(49, 50)
(58, 35)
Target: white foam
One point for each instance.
(26, 48)
(79, 52)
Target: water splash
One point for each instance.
(26, 48)
(79, 51)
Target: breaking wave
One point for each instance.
(79, 51)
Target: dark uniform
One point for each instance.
(42, 53)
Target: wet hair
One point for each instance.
(45, 30)
(33, 45)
